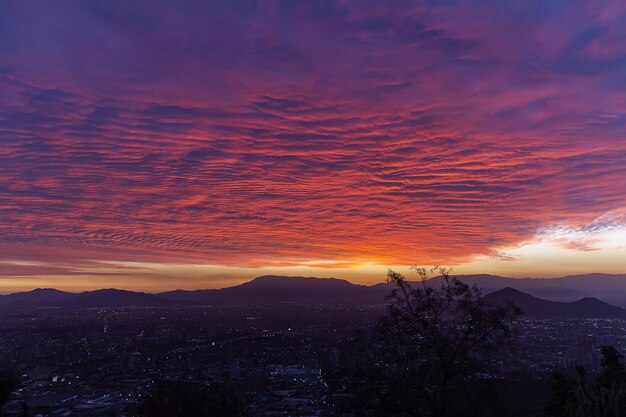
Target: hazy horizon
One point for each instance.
(235, 282)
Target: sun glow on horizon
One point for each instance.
(556, 250)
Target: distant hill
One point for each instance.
(608, 287)
(110, 298)
(106, 298)
(192, 296)
(536, 307)
(553, 288)
(271, 289)
(38, 297)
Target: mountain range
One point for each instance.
(271, 289)
(607, 287)
(531, 306)
(104, 298)
(567, 297)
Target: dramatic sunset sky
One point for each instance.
(195, 144)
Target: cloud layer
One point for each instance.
(305, 133)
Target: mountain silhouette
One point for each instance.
(38, 297)
(105, 298)
(568, 288)
(271, 289)
(531, 306)
(110, 297)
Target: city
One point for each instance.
(92, 362)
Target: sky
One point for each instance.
(155, 145)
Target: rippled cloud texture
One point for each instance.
(303, 134)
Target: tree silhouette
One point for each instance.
(191, 399)
(428, 349)
(603, 396)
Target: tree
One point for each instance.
(603, 396)
(8, 383)
(429, 348)
(191, 399)
(563, 398)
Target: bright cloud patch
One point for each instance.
(605, 233)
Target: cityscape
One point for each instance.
(286, 358)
